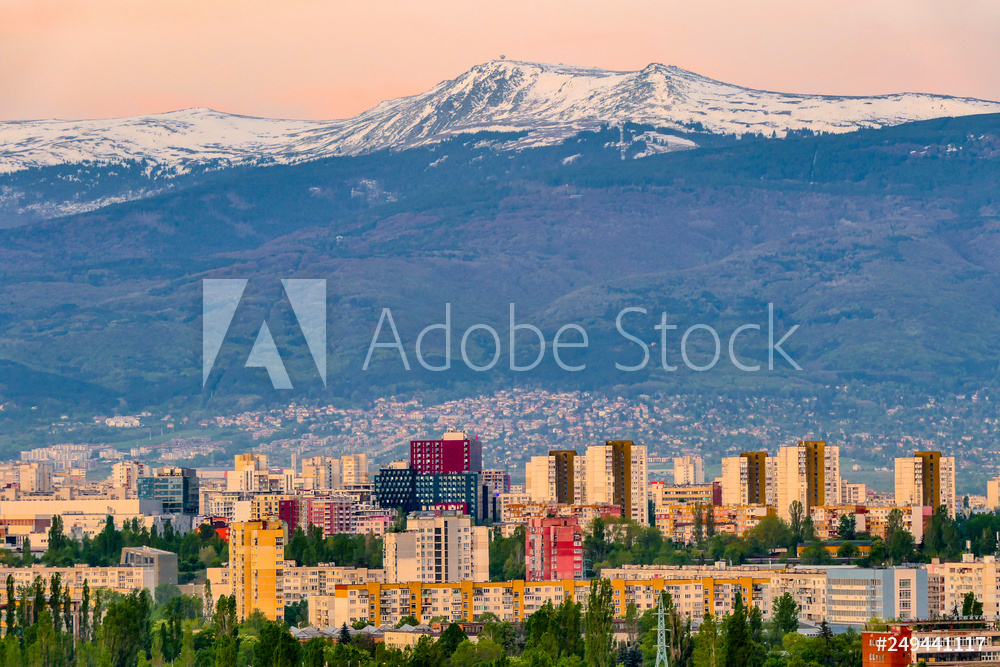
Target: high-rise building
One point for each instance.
(616, 474)
(249, 473)
(256, 559)
(808, 472)
(540, 479)
(454, 453)
(177, 488)
(333, 515)
(926, 479)
(744, 479)
(993, 494)
(437, 548)
(566, 473)
(322, 473)
(553, 549)
(355, 468)
(559, 477)
(395, 489)
(689, 470)
(35, 477)
(126, 474)
(406, 490)
(497, 480)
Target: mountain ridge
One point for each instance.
(549, 103)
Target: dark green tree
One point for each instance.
(971, 607)
(598, 631)
(738, 644)
(55, 601)
(451, 638)
(784, 616)
(85, 612)
(847, 527)
(11, 606)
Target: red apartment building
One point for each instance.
(333, 515)
(455, 453)
(553, 549)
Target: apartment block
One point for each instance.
(678, 522)
(848, 595)
(808, 472)
(120, 578)
(518, 514)
(35, 477)
(665, 494)
(514, 601)
(978, 576)
(826, 520)
(689, 470)
(616, 474)
(322, 473)
(926, 478)
(126, 474)
(333, 515)
(355, 468)
(993, 494)
(437, 548)
(876, 520)
(497, 480)
(456, 452)
(162, 563)
(256, 563)
(745, 479)
(553, 549)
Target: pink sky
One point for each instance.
(333, 59)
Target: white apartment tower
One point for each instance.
(437, 549)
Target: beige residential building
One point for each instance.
(437, 549)
(809, 473)
(663, 495)
(876, 520)
(978, 576)
(689, 470)
(35, 477)
(926, 478)
(119, 578)
(616, 474)
(299, 583)
(249, 473)
(514, 601)
(849, 595)
(125, 474)
(745, 479)
(853, 494)
(320, 473)
(355, 468)
(256, 562)
(993, 494)
(540, 479)
(559, 477)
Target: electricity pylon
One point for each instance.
(661, 637)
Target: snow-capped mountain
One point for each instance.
(549, 102)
